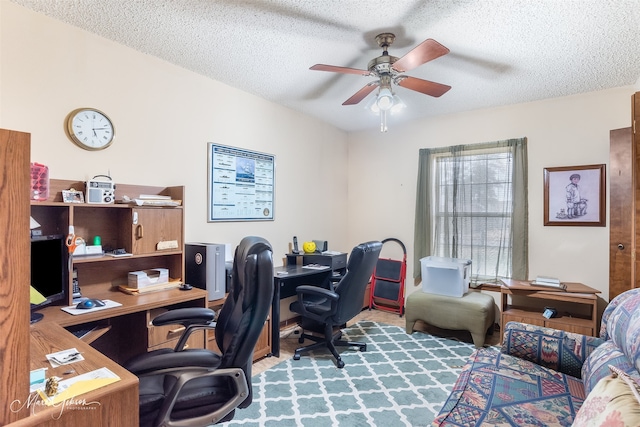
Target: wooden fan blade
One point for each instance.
(343, 70)
(426, 51)
(361, 94)
(424, 86)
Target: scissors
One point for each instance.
(71, 240)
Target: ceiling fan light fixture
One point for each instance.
(389, 69)
(385, 99)
(372, 105)
(398, 105)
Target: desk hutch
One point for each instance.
(140, 230)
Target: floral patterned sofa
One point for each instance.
(547, 377)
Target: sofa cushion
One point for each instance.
(622, 325)
(559, 350)
(610, 308)
(596, 367)
(614, 401)
(499, 389)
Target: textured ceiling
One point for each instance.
(502, 51)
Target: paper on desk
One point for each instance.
(36, 379)
(64, 357)
(331, 253)
(76, 311)
(69, 389)
(316, 266)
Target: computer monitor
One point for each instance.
(49, 270)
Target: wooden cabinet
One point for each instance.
(154, 230)
(580, 316)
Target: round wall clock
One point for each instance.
(90, 129)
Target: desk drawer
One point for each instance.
(158, 335)
(196, 340)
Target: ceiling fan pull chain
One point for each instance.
(383, 121)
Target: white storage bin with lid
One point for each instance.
(445, 276)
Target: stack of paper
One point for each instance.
(151, 200)
(161, 287)
(548, 281)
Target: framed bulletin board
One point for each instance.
(241, 184)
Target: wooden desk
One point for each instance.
(115, 405)
(130, 304)
(285, 281)
(576, 293)
(129, 332)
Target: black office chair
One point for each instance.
(199, 387)
(322, 309)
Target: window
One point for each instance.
(472, 204)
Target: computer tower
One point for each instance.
(205, 268)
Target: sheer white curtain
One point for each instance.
(472, 203)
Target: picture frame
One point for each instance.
(72, 196)
(241, 184)
(575, 196)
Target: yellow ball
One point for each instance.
(309, 247)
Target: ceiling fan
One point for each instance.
(388, 69)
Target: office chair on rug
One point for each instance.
(199, 387)
(322, 309)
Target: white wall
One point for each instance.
(164, 116)
(566, 131)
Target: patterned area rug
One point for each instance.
(401, 380)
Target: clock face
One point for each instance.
(90, 129)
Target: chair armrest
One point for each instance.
(185, 316)
(317, 291)
(187, 333)
(309, 295)
(237, 379)
(192, 318)
(167, 359)
(552, 348)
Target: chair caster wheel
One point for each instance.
(340, 364)
(363, 348)
(296, 357)
(301, 340)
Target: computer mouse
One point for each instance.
(90, 303)
(86, 304)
